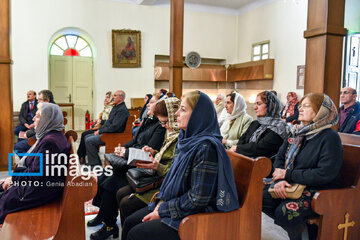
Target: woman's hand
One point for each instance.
(224, 141)
(148, 149)
(120, 151)
(152, 216)
(153, 165)
(7, 183)
(279, 174)
(279, 189)
(233, 148)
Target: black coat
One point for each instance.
(318, 163)
(351, 119)
(116, 122)
(23, 116)
(267, 145)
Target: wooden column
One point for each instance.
(324, 42)
(176, 46)
(6, 119)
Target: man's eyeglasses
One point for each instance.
(164, 122)
(346, 92)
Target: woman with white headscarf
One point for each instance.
(51, 142)
(237, 121)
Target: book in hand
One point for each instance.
(22, 134)
(138, 155)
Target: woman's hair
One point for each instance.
(163, 91)
(160, 109)
(262, 96)
(170, 94)
(156, 95)
(232, 96)
(316, 100)
(108, 93)
(191, 98)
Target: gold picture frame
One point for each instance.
(126, 48)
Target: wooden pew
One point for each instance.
(244, 223)
(62, 219)
(339, 206)
(112, 140)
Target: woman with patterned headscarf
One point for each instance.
(290, 111)
(266, 134)
(165, 111)
(312, 156)
(237, 121)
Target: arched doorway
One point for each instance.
(71, 75)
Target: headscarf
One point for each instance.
(325, 118)
(238, 110)
(289, 108)
(219, 107)
(272, 119)
(201, 129)
(145, 106)
(172, 105)
(51, 119)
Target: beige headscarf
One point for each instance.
(172, 105)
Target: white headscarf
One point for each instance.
(238, 110)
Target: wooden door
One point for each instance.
(352, 62)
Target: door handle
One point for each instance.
(69, 97)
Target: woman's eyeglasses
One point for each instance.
(305, 105)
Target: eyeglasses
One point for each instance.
(346, 92)
(305, 105)
(164, 122)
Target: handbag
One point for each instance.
(116, 162)
(293, 192)
(142, 180)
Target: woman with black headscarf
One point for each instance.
(264, 136)
(200, 178)
(143, 114)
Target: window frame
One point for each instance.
(261, 50)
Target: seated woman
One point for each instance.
(142, 116)
(200, 178)
(50, 141)
(312, 156)
(165, 111)
(290, 111)
(103, 116)
(264, 136)
(151, 134)
(237, 122)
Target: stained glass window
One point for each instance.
(71, 45)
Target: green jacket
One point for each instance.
(237, 129)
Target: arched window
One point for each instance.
(71, 45)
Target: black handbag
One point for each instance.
(116, 162)
(142, 180)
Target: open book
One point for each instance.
(138, 155)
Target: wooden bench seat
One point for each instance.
(244, 223)
(112, 140)
(334, 205)
(62, 219)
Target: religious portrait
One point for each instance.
(126, 48)
(300, 78)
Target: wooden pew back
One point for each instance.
(350, 171)
(243, 223)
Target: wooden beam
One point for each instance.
(6, 119)
(324, 42)
(176, 46)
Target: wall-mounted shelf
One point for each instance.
(249, 71)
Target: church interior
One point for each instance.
(82, 49)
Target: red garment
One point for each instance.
(289, 108)
(357, 128)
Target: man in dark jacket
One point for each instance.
(349, 117)
(27, 112)
(22, 146)
(115, 124)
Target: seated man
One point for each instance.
(349, 114)
(22, 145)
(27, 112)
(115, 124)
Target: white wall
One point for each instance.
(352, 15)
(283, 23)
(35, 22)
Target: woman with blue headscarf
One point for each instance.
(200, 178)
(264, 136)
